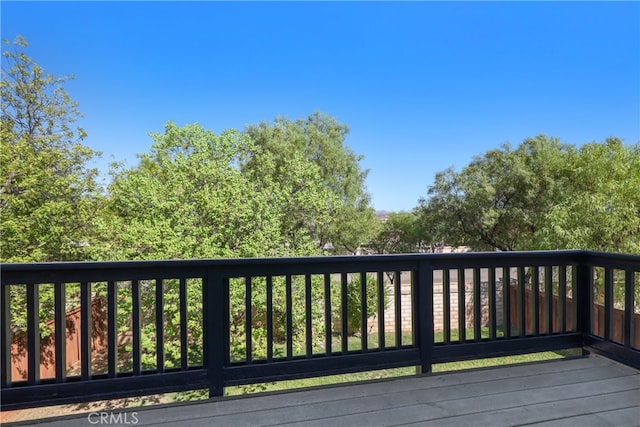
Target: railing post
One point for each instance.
(584, 297)
(628, 331)
(423, 313)
(213, 307)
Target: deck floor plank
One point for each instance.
(584, 391)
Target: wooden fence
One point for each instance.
(597, 318)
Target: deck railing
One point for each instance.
(243, 321)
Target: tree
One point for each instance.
(542, 195)
(342, 205)
(48, 194)
(398, 234)
(188, 199)
(602, 210)
(499, 201)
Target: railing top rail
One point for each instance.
(230, 267)
(224, 262)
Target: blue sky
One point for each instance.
(421, 85)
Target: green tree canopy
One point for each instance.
(542, 195)
(187, 198)
(400, 233)
(318, 142)
(48, 194)
(602, 211)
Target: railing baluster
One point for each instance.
(60, 309)
(562, 299)
(5, 336)
(289, 304)
(535, 296)
(548, 286)
(506, 301)
(184, 323)
(398, 308)
(363, 312)
(308, 316)
(135, 327)
(327, 314)
(629, 279)
(462, 332)
(343, 305)
(608, 302)
(492, 302)
(33, 333)
(248, 307)
(112, 330)
(381, 301)
(226, 316)
(159, 325)
(477, 306)
(575, 291)
(269, 318)
(446, 305)
(521, 302)
(85, 327)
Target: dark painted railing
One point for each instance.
(242, 321)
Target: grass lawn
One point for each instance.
(354, 343)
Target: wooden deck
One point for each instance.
(589, 391)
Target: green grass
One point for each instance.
(354, 343)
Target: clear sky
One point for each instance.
(422, 86)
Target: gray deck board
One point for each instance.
(585, 391)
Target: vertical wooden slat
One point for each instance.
(548, 304)
(248, 308)
(398, 308)
(327, 314)
(363, 312)
(462, 330)
(629, 279)
(226, 314)
(289, 303)
(308, 316)
(85, 330)
(112, 330)
(562, 298)
(381, 302)
(535, 303)
(184, 322)
(446, 305)
(477, 306)
(269, 319)
(60, 302)
(574, 289)
(136, 327)
(343, 305)
(608, 302)
(5, 336)
(521, 302)
(423, 313)
(492, 302)
(33, 333)
(506, 299)
(159, 325)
